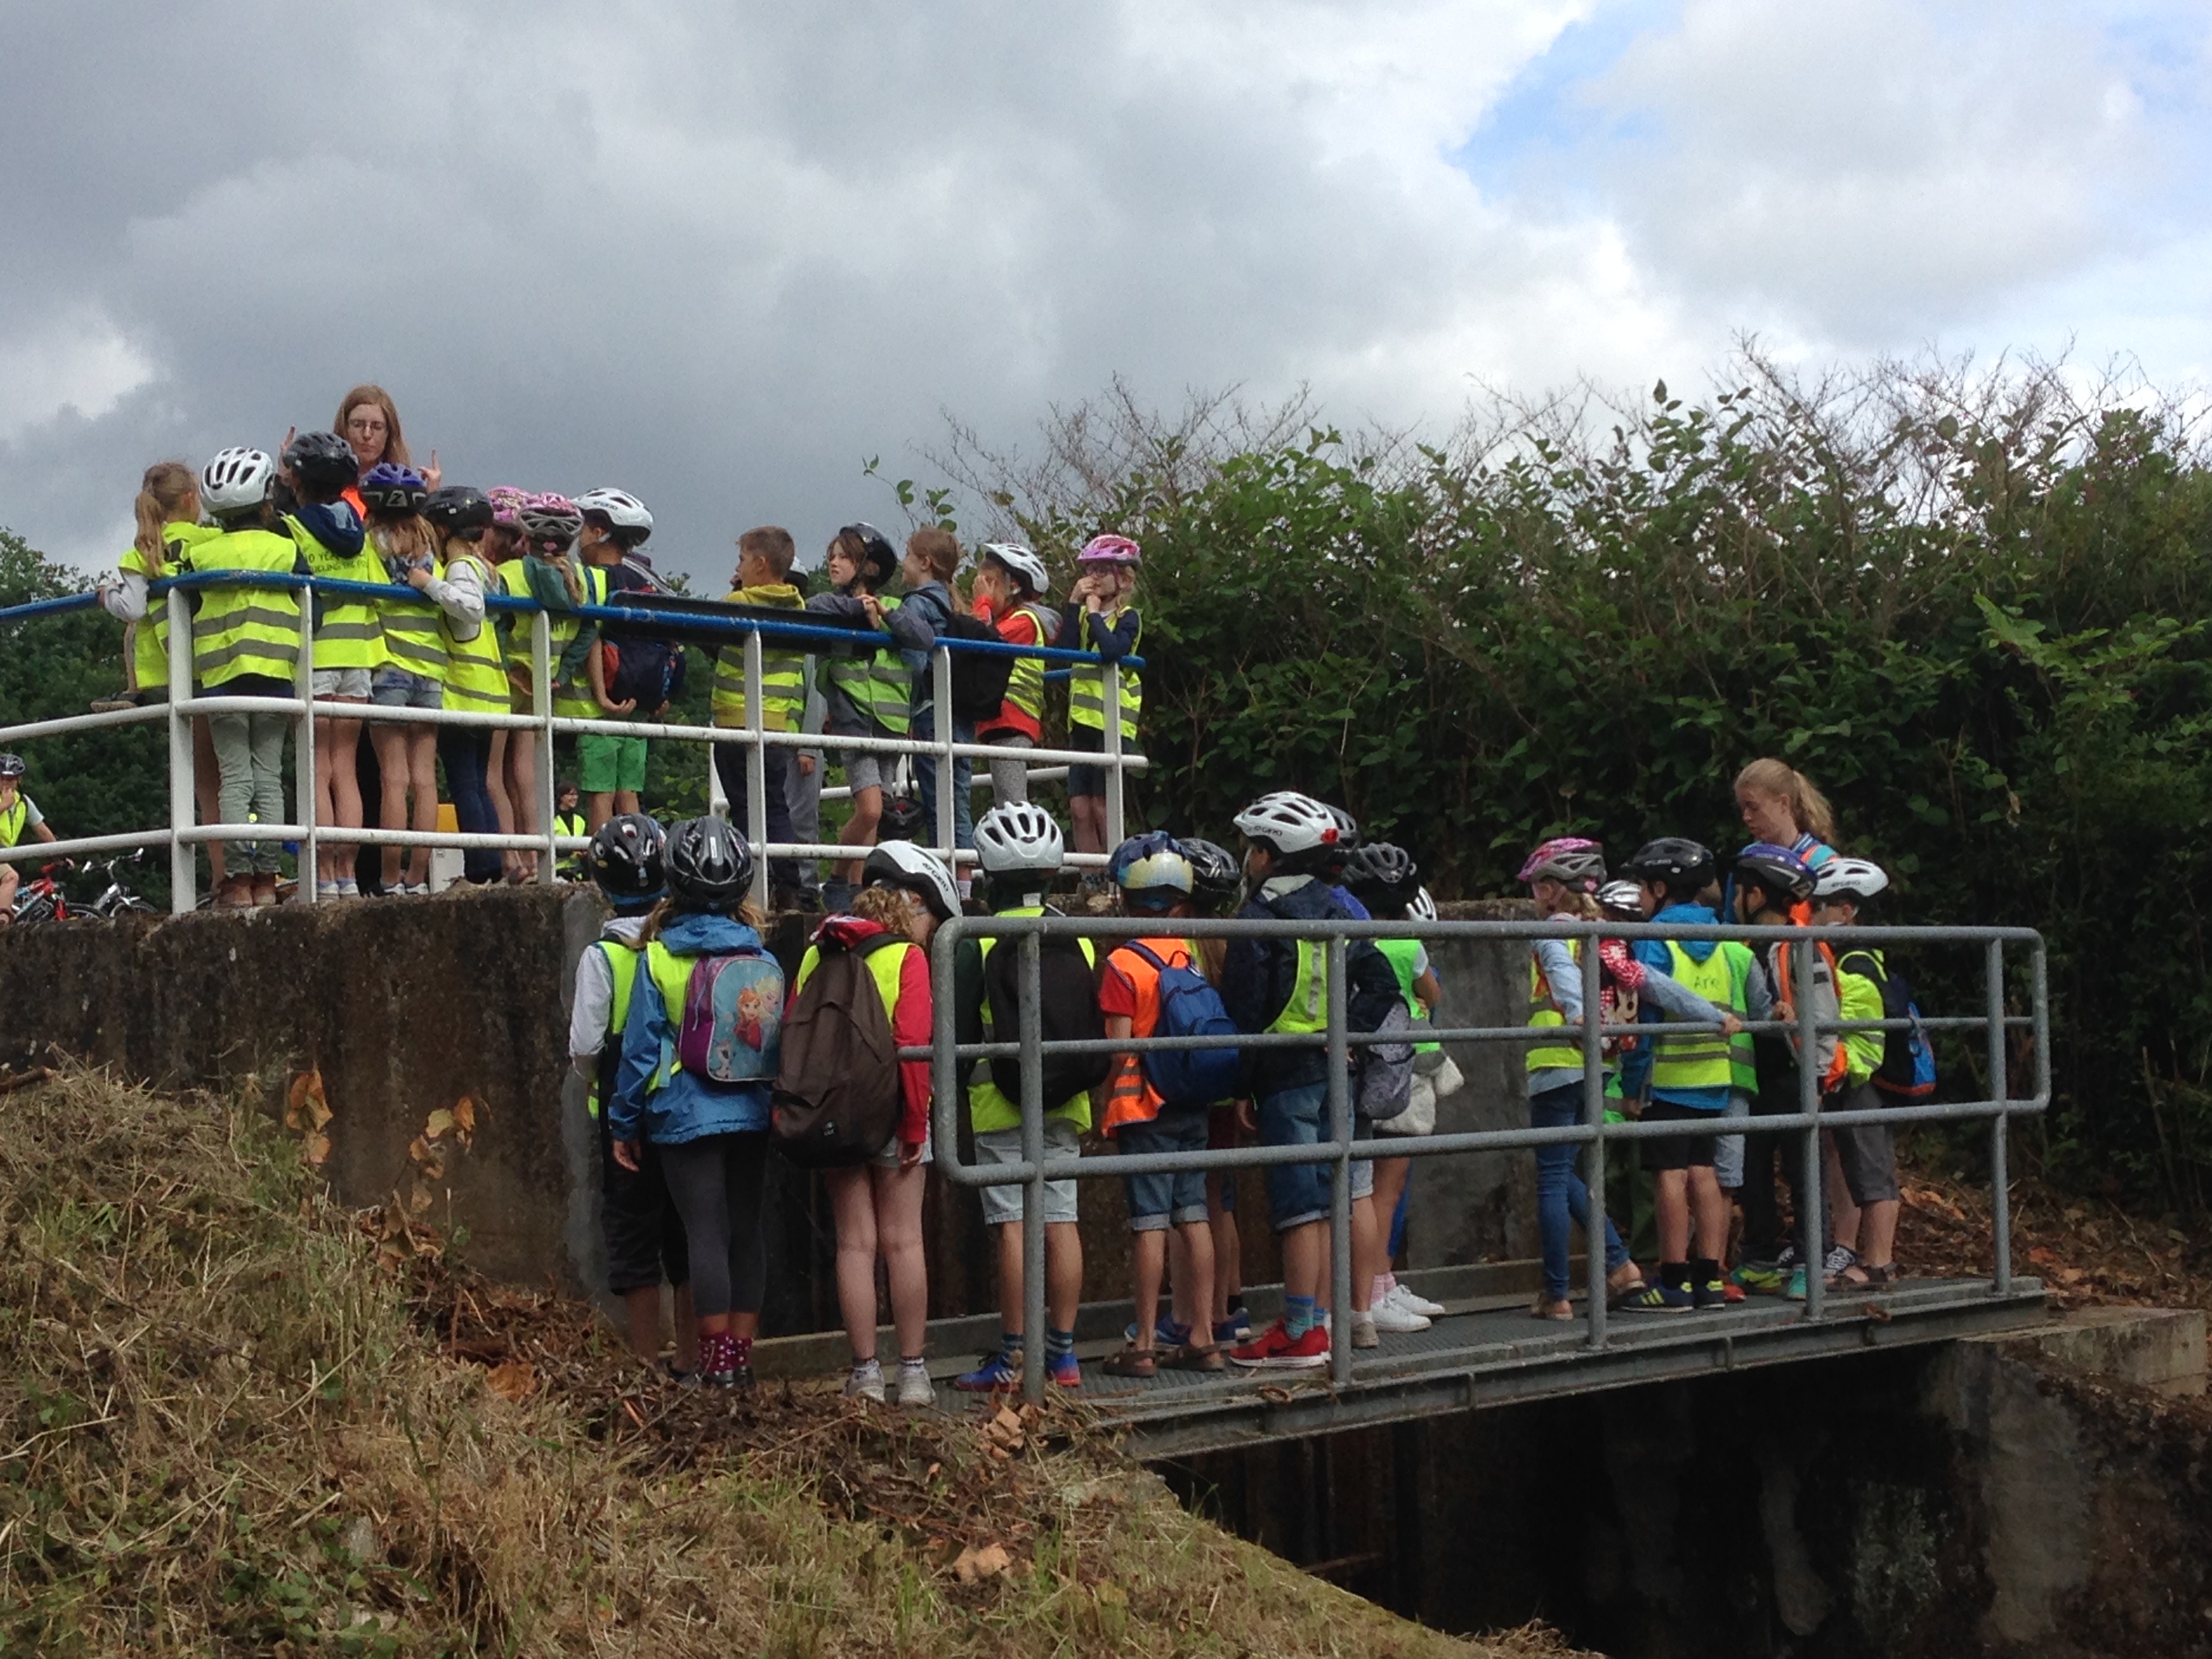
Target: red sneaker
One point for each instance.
(1276, 1350)
(1733, 1292)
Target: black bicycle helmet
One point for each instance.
(1674, 862)
(1215, 874)
(458, 507)
(11, 766)
(322, 460)
(1382, 869)
(393, 491)
(879, 559)
(709, 866)
(902, 819)
(628, 859)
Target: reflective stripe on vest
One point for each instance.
(1548, 1013)
(1783, 972)
(412, 637)
(245, 630)
(1086, 684)
(783, 678)
(475, 678)
(877, 684)
(1307, 1008)
(1130, 1097)
(14, 821)
(573, 699)
(349, 635)
(621, 971)
(1699, 1060)
(989, 1108)
(1025, 685)
(149, 647)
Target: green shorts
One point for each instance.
(606, 762)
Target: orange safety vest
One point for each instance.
(1130, 1097)
(1785, 998)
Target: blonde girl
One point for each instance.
(1779, 805)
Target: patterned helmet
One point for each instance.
(1571, 859)
(1110, 549)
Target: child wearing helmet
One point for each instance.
(705, 1106)
(638, 1227)
(460, 520)
(1217, 885)
(1101, 616)
(1020, 851)
(609, 760)
(1687, 1078)
(867, 695)
(19, 817)
(246, 644)
(925, 611)
(1010, 588)
(320, 469)
(1271, 985)
(878, 1204)
(765, 555)
(1846, 893)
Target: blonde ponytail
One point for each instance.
(1808, 807)
(163, 494)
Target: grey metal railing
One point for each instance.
(951, 1059)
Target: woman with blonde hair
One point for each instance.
(1780, 806)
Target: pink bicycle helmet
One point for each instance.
(1110, 549)
(1571, 859)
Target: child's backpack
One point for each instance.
(733, 1018)
(1908, 1058)
(979, 677)
(836, 1100)
(1189, 1006)
(1383, 1081)
(1067, 1012)
(648, 672)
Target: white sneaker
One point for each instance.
(866, 1383)
(1363, 1331)
(914, 1387)
(1390, 1316)
(1404, 1297)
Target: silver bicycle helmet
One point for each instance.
(236, 479)
(902, 864)
(1019, 839)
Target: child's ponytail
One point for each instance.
(1808, 806)
(162, 496)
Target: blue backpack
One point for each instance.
(1189, 1006)
(1908, 1058)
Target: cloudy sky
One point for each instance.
(721, 253)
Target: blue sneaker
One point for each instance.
(1237, 1327)
(1660, 1299)
(999, 1373)
(1794, 1290)
(1166, 1334)
(1064, 1369)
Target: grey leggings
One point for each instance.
(716, 1184)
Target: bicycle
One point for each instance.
(41, 898)
(116, 899)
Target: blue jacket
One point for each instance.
(1652, 953)
(1259, 975)
(686, 1107)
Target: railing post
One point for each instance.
(541, 707)
(303, 748)
(1110, 684)
(756, 772)
(183, 871)
(1594, 1152)
(940, 698)
(2000, 1125)
(1813, 1201)
(1339, 1185)
(1031, 946)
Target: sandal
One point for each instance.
(1871, 1277)
(1132, 1362)
(1561, 1312)
(1187, 1358)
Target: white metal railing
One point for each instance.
(182, 834)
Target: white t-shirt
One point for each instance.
(595, 990)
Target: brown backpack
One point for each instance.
(837, 1101)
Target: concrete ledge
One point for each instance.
(2158, 1348)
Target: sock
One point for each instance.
(866, 1368)
(740, 1350)
(1057, 1344)
(917, 1363)
(1379, 1291)
(1675, 1275)
(1236, 1303)
(1010, 1346)
(1300, 1315)
(1703, 1270)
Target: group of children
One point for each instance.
(347, 506)
(685, 1135)
(1723, 1079)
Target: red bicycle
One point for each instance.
(41, 898)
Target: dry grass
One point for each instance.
(224, 1427)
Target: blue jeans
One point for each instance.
(466, 753)
(1297, 1192)
(1559, 1189)
(925, 778)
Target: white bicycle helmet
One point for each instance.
(1290, 823)
(1853, 878)
(1019, 839)
(623, 510)
(902, 864)
(236, 479)
(1422, 908)
(1623, 895)
(1023, 563)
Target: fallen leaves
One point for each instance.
(977, 1563)
(1007, 1432)
(513, 1381)
(307, 1114)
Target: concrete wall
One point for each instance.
(406, 1006)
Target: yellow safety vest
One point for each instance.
(622, 967)
(1743, 1068)
(1700, 1060)
(1025, 685)
(1547, 1014)
(988, 1107)
(573, 699)
(1086, 683)
(1308, 1007)
(245, 630)
(783, 670)
(412, 637)
(475, 678)
(570, 824)
(515, 585)
(149, 649)
(879, 684)
(14, 821)
(349, 635)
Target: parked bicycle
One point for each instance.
(115, 899)
(41, 898)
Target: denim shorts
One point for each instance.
(1297, 1192)
(340, 683)
(1164, 1198)
(401, 687)
(1004, 1204)
(1727, 1150)
(864, 768)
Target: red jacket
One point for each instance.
(910, 1018)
